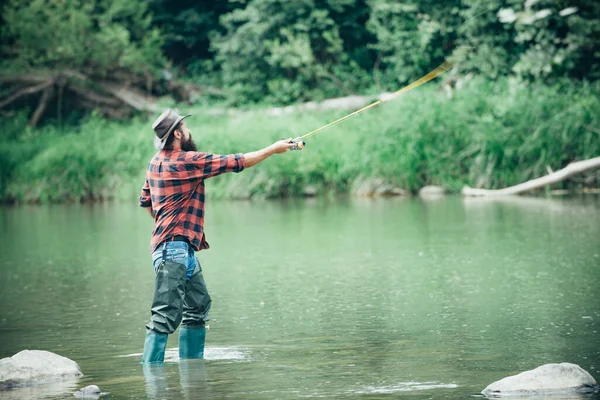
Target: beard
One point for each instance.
(188, 145)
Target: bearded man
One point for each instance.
(174, 196)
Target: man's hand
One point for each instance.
(150, 211)
(282, 146)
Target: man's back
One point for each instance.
(174, 188)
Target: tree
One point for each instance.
(412, 36)
(281, 49)
(92, 53)
(533, 39)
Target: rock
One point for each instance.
(309, 191)
(548, 379)
(91, 391)
(368, 187)
(387, 190)
(34, 367)
(432, 191)
(364, 186)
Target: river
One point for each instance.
(324, 298)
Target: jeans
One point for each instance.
(179, 252)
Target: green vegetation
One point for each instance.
(488, 134)
(77, 79)
(277, 51)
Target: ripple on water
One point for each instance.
(388, 389)
(404, 387)
(210, 353)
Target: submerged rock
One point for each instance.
(34, 367)
(548, 379)
(89, 392)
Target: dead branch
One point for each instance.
(558, 176)
(376, 71)
(592, 129)
(26, 91)
(43, 103)
(39, 77)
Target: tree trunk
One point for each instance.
(558, 176)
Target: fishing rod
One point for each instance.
(445, 66)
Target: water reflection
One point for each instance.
(193, 381)
(61, 389)
(157, 386)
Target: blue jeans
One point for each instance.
(179, 252)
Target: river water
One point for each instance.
(344, 298)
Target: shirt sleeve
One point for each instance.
(145, 199)
(209, 165)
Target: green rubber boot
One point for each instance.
(154, 347)
(191, 342)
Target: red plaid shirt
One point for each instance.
(174, 188)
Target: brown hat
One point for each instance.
(164, 125)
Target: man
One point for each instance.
(174, 195)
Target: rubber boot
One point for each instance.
(191, 342)
(154, 347)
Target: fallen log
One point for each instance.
(557, 176)
(132, 97)
(113, 99)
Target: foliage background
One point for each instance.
(528, 97)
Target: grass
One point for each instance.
(488, 135)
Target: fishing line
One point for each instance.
(447, 65)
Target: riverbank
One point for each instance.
(488, 135)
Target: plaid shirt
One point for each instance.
(174, 188)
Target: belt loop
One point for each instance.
(164, 251)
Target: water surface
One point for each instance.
(361, 298)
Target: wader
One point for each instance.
(180, 296)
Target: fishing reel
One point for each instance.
(299, 143)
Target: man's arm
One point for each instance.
(278, 147)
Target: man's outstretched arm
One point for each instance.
(278, 147)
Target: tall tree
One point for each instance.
(533, 38)
(283, 50)
(412, 36)
(187, 26)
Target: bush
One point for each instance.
(488, 135)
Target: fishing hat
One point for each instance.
(164, 125)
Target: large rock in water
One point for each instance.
(34, 367)
(549, 379)
(432, 192)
